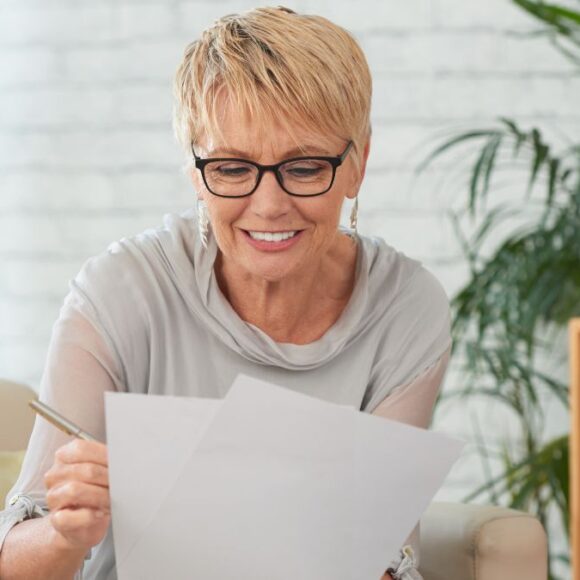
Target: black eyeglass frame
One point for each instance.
(335, 162)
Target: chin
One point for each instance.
(270, 272)
(271, 267)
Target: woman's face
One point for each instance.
(239, 223)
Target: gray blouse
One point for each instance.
(166, 328)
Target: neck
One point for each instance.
(297, 309)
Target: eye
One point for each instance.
(232, 170)
(304, 171)
(307, 170)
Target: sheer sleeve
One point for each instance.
(79, 369)
(413, 404)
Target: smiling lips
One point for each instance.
(272, 241)
(272, 236)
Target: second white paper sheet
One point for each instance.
(149, 439)
(278, 486)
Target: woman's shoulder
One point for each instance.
(137, 276)
(132, 290)
(153, 253)
(397, 279)
(412, 321)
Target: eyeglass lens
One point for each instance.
(300, 177)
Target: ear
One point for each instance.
(365, 157)
(362, 170)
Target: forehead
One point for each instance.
(259, 135)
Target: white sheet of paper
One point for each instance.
(275, 485)
(149, 439)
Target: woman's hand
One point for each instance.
(78, 498)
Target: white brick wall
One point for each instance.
(87, 154)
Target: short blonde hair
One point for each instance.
(274, 64)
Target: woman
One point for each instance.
(272, 109)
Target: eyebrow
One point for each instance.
(296, 152)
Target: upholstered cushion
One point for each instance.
(471, 542)
(16, 417)
(10, 463)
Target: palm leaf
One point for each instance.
(535, 467)
(564, 19)
(541, 152)
(449, 144)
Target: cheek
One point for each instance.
(324, 215)
(223, 213)
(327, 210)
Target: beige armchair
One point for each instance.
(16, 417)
(470, 542)
(458, 542)
(16, 421)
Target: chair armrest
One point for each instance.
(16, 417)
(471, 542)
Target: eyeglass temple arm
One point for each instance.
(345, 152)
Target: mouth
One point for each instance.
(269, 240)
(272, 236)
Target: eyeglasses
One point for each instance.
(299, 176)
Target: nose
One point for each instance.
(270, 201)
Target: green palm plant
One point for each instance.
(523, 286)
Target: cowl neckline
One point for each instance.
(191, 266)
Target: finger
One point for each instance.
(81, 451)
(71, 520)
(75, 494)
(92, 473)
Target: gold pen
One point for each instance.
(59, 421)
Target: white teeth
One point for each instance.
(271, 236)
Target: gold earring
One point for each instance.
(354, 215)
